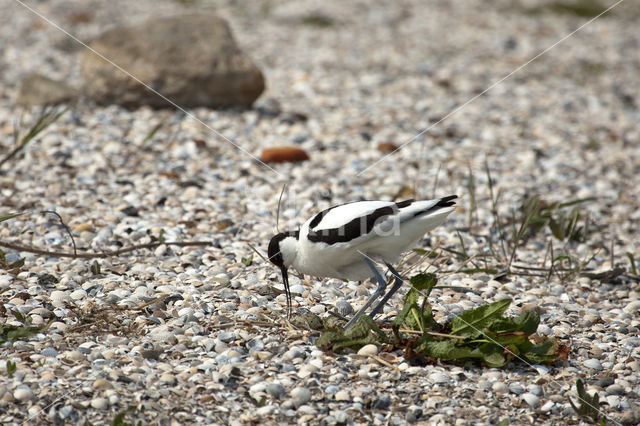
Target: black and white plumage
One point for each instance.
(341, 241)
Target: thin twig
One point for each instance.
(73, 241)
(104, 254)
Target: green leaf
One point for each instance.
(491, 271)
(424, 282)
(447, 350)
(543, 353)
(471, 323)
(363, 332)
(526, 322)
(493, 355)
(118, 420)
(11, 368)
(9, 216)
(431, 254)
(247, 260)
(95, 268)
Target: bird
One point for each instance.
(345, 241)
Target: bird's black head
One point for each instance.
(277, 258)
(274, 253)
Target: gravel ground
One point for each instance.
(194, 335)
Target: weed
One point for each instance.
(580, 8)
(483, 334)
(589, 405)
(24, 331)
(48, 115)
(318, 20)
(11, 368)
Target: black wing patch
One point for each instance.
(351, 230)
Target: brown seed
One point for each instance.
(282, 154)
(387, 147)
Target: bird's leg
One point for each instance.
(382, 285)
(391, 292)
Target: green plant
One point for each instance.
(118, 420)
(564, 224)
(14, 332)
(11, 368)
(318, 20)
(589, 405)
(48, 115)
(483, 334)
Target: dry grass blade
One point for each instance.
(47, 116)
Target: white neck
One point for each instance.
(289, 250)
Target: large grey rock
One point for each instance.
(191, 59)
(37, 89)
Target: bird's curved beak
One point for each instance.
(285, 280)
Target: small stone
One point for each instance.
(78, 294)
(615, 389)
(499, 388)
(102, 384)
(632, 307)
(100, 403)
(276, 390)
(516, 388)
(83, 227)
(227, 336)
(439, 377)
(344, 308)
(265, 411)
(49, 352)
(413, 414)
(58, 296)
(368, 350)
(342, 395)
(331, 389)
(547, 406)
(23, 393)
(531, 399)
(536, 390)
(340, 416)
(593, 363)
(300, 395)
(381, 403)
(151, 354)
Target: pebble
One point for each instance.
(615, 389)
(300, 395)
(276, 390)
(381, 403)
(530, 399)
(344, 308)
(368, 350)
(499, 388)
(516, 388)
(632, 307)
(265, 411)
(439, 377)
(100, 403)
(593, 363)
(23, 393)
(342, 395)
(547, 406)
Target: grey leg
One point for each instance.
(382, 285)
(390, 294)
